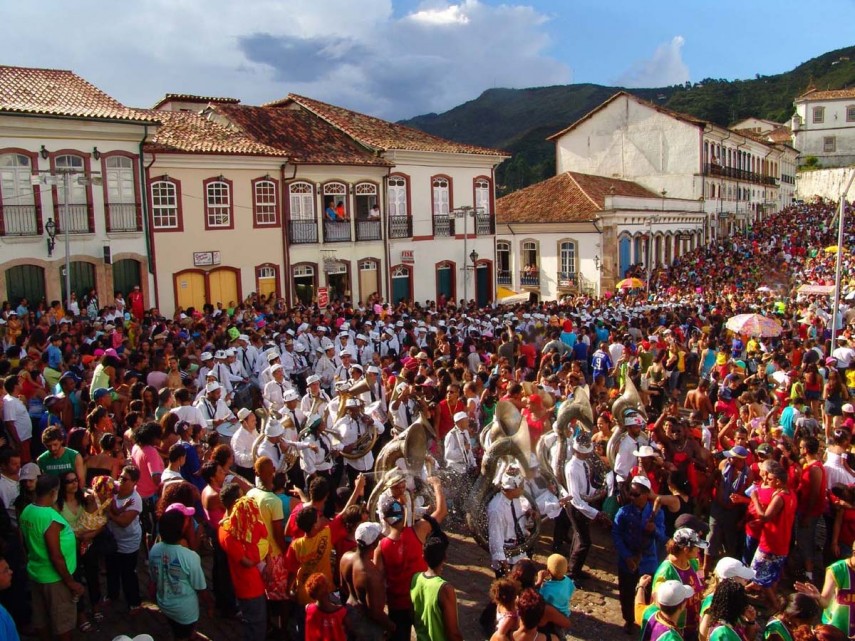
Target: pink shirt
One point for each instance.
(148, 461)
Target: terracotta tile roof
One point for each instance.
(833, 94)
(565, 198)
(381, 134)
(300, 135)
(669, 112)
(189, 97)
(55, 92)
(187, 132)
(780, 134)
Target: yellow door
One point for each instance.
(222, 286)
(266, 281)
(367, 279)
(190, 289)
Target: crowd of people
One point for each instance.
(318, 456)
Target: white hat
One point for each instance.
(582, 447)
(344, 353)
(367, 533)
(352, 402)
(633, 419)
(642, 481)
(299, 347)
(213, 386)
(272, 355)
(243, 414)
(357, 366)
(400, 388)
(511, 479)
(373, 369)
(230, 351)
(212, 373)
(220, 354)
(291, 395)
(671, 593)
(460, 416)
(303, 327)
(206, 356)
(644, 451)
(243, 337)
(274, 428)
(730, 568)
(290, 332)
(320, 349)
(275, 368)
(314, 378)
(361, 337)
(848, 408)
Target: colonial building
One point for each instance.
(70, 172)
(580, 232)
(824, 126)
(737, 176)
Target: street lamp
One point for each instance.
(464, 212)
(50, 228)
(473, 256)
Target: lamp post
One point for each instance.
(838, 272)
(464, 212)
(50, 228)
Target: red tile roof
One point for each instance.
(668, 112)
(189, 97)
(187, 132)
(380, 134)
(565, 198)
(780, 134)
(55, 92)
(833, 94)
(302, 136)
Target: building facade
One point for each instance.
(70, 169)
(824, 126)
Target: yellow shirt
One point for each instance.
(271, 510)
(313, 555)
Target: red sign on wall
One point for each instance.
(407, 256)
(323, 297)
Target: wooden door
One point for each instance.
(190, 289)
(222, 287)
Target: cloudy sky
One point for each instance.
(400, 58)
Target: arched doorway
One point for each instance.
(190, 289)
(223, 287)
(483, 284)
(402, 284)
(624, 255)
(304, 283)
(82, 279)
(265, 280)
(445, 280)
(338, 279)
(369, 280)
(126, 275)
(25, 281)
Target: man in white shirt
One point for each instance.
(627, 442)
(287, 360)
(582, 495)
(325, 368)
(10, 465)
(844, 355)
(342, 371)
(271, 357)
(315, 400)
(458, 448)
(242, 441)
(507, 522)
(186, 411)
(350, 428)
(217, 414)
(207, 359)
(274, 391)
(16, 418)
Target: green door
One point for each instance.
(482, 285)
(444, 282)
(82, 279)
(400, 284)
(25, 281)
(126, 274)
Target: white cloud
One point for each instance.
(356, 54)
(664, 67)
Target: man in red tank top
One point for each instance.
(811, 501)
(399, 555)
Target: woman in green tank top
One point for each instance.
(800, 609)
(837, 596)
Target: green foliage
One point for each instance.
(810, 162)
(519, 120)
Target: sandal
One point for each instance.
(98, 616)
(86, 626)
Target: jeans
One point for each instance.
(403, 620)
(626, 593)
(254, 617)
(581, 544)
(122, 567)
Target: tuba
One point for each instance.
(360, 387)
(289, 457)
(365, 442)
(629, 401)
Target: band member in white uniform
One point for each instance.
(315, 400)
(271, 357)
(508, 522)
(459, 464)
(242, 441)
(317, 461)
(274, 391)
(217, 414)
(350, 428)
(325, 368)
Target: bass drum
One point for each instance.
(242, 397)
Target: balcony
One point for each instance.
(484, 224)
(443, 225)
(75, 216)
(369, 230)
(568, 280)
(713, 169)
(122, 217)
(503, 277)
(530, 278)
(302, 232)
(20, 220)
(400, 226)
(336, 231)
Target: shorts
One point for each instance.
(275, 578)
(768, 568)
(813, 395)
(52, 602)
(181, 630)
(833, 408)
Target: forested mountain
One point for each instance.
(519, 120)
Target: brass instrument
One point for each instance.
(289, 456)
(365, 441)
(360, 387)
(629, 401)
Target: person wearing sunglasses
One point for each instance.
(124, 523)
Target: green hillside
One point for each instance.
(519, 120)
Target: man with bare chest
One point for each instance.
(364, 586)
(699, 400)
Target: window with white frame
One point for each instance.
(567, 257)
(482, 196)
(829, 144)
(850, 113)
(819, 114)
(529, 254)
(441, 197)
(78, 190)
(503, 256)
(218, 203)
(164, 205)
(368, 265)
(265, 202)
(303, 271)
(365, 195)
(302, 197)
(15, 187)
(120, 180)
(335, 196)
(397, 196)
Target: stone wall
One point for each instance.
(827, 183)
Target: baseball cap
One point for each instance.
(671, 593)
(729, 568)
(737, 451)
(643, 481)
(367, 533)
(393, 513)
(633, 418)
(848, 408)
(29, 472)
(180, 507)
(685, 537)
(101, 392)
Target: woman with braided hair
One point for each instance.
(733, 618)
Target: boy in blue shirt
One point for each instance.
(556, 587)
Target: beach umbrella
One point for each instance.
(630, 283)
(833, 249)
(754, 325)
